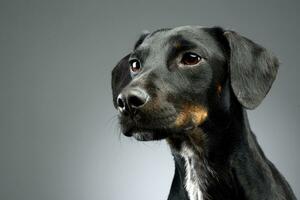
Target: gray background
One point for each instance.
(59, 138)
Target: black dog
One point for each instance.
(191, 85)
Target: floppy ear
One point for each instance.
(120, 77)
(252, 69)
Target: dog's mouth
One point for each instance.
(145, 134)
(150, 127)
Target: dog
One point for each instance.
(192, 85)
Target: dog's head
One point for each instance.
(174, 79)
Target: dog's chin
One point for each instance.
(146, 134)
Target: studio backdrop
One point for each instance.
(59, 136)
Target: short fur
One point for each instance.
(200, 111)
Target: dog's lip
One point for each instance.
(145, 134)
(128, 131)
(142, 133)
(131, 125)
(133, 131)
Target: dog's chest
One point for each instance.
(192, 183)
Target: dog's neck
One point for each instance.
(206, 154)
(195, 169)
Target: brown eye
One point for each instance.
(190, 59)
(135, 66)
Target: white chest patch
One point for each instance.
(192, 178)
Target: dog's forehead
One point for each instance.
(162, 37)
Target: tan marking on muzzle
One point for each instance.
(195, 113)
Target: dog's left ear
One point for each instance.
(120, 77)
(252, 69)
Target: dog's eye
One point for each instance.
(190, 59)
(135, 66)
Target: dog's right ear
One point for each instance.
(120, 77)
(141, 39)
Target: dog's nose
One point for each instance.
(131, 100)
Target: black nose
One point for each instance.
(132, 99)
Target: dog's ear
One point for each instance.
(141, 39)
(252, 69)
(120, 77)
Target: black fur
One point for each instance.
(252, 70)
(141, 39)
(236, 74)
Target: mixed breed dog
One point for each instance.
(191, 85)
